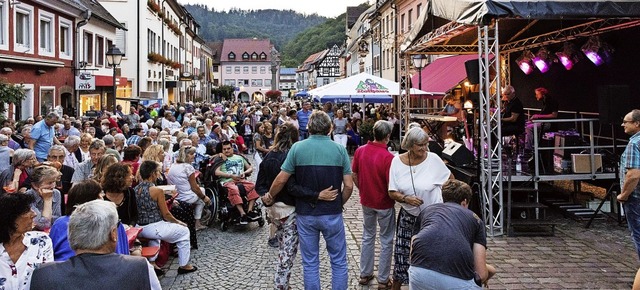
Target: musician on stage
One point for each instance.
(512, 113)
(452, 108)
(549, 111)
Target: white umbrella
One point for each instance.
(363, 87)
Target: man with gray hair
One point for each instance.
(73, 156)
(93, 234)
(43, 136)
(5, 152)
(370, 166)
(513, 118)
(109, 143)
(319, 164)
(85, 169)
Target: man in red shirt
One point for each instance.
(371, 175)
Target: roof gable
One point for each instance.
(249, 45)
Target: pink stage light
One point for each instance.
(524, 62)
(525, 67)
(594, 57)
(597, 51)
(568, 56)
(542, 60)
(566, 62)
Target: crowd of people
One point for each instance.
(60, 169)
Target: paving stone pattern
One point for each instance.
(601, 257)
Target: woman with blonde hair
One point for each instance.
(156, 153)
(104, 162)
(85, 141)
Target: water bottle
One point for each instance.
(518, 163)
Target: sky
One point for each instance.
(327, 8)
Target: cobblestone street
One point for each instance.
(601, 257)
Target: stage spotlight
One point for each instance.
(542, 60)
(597, 51)
(524, 62)
(568, 56)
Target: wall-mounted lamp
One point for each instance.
(41, 71)
(7, 70)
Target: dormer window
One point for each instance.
(245, 56)
(263, 56)
(254, 56)
(232, 55)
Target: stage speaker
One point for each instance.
(614, 101)
(436, 148)
(473, 71)
(457, 154)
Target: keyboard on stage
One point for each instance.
(438, 118)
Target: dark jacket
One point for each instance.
(269, 169)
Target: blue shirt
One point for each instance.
(630, 159)
(61, 249)
(43, 136)
(303, 119)
(318, 163)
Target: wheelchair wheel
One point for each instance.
(261, 222)
(224, 226)
(215, 204)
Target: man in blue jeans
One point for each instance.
(630, 175)
(319, 164)
(303, 120)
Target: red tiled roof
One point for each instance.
(216, 50)
(249, 45)
(312, 59)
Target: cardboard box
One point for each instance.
(606, 207)
(581, 163)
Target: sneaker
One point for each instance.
(273, 242)
(244, 220)
(253, 216)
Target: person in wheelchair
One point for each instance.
(233, 171)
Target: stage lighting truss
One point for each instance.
(524, 62)
(568, 56)
(543, 60)
(597, 51)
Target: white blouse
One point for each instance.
(18, 276)
(423, 180)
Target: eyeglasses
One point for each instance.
(625, 121)
(56, 156)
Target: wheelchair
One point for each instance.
(221, 208)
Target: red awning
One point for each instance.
(442, 75)
(107, 81)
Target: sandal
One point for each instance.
(385, 285)
(365, 280)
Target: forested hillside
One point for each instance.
(278, 25)
(295, 35)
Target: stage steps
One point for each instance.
(526, 217)
(572, 209)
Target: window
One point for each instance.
(267, 82)
(46, 100)
(410, 18)
(121, 38)
(245, 69)
(4, 25)
(263, 56)
(232, 55)
(99, 51)
(236, 69)
(263, 69)
(402, 23)
(88, 47)
(66, 48)
(230, 83)
(23, 30)
(215, 68)
(254, 69)
(419, 9)
(245, 56)
(254, 56)
(45, 38)
(256, 83)
(242, 82)
(227, 69)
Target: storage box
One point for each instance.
(581, 163)
(606, 206)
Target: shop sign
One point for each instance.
(85, 82)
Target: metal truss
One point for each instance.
(450, 49)
(490, 130)
(441, 34)
(403, 103)
(586, 29)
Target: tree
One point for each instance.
(10, 94)
(223, 92)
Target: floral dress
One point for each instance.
(17, 276)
